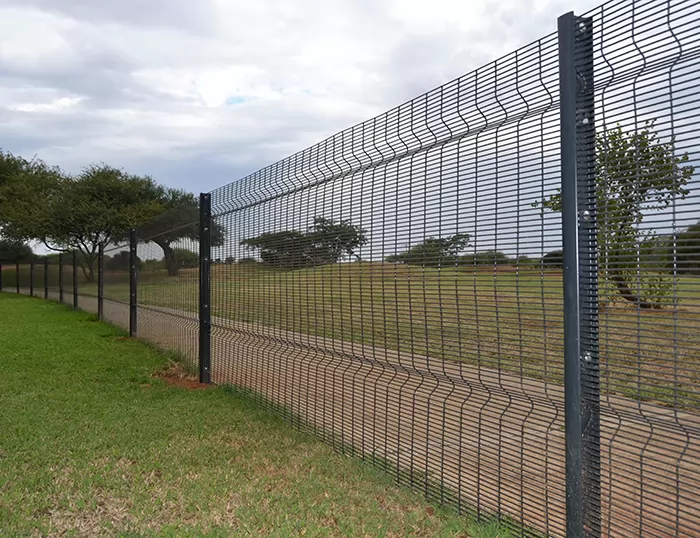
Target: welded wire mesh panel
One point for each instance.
(647, 71)
(397, 290)
(116, 283)
(168, 280)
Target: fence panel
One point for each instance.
(396, 289)
(168, 280)
(116, 284)
(647, 70)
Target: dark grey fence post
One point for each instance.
(132, 283)
(100, 281)
(205, 288)
(75, 281)
(581, 369)
(60, 277)
(31, 277)
(0, 276)
(17, 276)
(46, 277)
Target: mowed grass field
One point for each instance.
(101, 435)
(506, 319)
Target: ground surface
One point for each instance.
(92, 443)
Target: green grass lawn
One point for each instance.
(92, 444)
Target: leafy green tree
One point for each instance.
(121, 261)
(325, 242)
(487, 257)
(636, 173)
(84, 212)
(15, 251)
(687, 250)
(178, 220)
(433, 252)
(553, 259)
(185, 258)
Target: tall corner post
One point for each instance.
(75, 280)
(17, 279)
(0, 275)
(60, 277)
(100, 281)
(205, 288)
(46, 277)
(133, 310)
(579, 228)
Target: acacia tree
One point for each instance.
(81, 213)
(325, 242)
(177, 220)
(433, 252)
(636, 173)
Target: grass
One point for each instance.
(92, 443)
(505, 320)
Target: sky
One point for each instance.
(200, 94)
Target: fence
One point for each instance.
(491, 291)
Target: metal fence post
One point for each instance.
(75, 280)
(31, 277)
(581, 369)
(100, 281)
(132, 283)
(17, 276)
(60, 277)
(588, 276)
(205, 288)
(0, 276)
(46, 277)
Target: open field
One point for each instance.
(93, 443)
(506, 319)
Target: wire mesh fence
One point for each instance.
(491, 291)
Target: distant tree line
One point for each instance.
(81, 213)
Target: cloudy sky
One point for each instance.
(199, 94)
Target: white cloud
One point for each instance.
(222, 88)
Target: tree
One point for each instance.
(121, 261)
(687, 250)
(14, 251)
(325, 242)
(185, 258)
(636, 173)
(553, 259)
(487, 257)
(433, 252)
(81, 213)
(178, 220)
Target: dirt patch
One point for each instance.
(174, 374)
